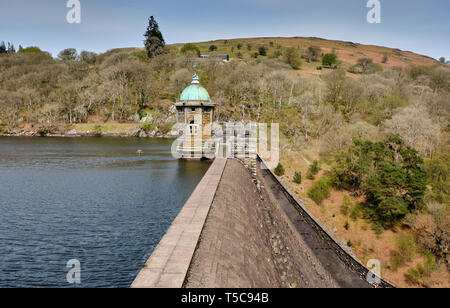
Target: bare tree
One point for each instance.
(416, 128)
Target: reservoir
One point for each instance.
(89, 199)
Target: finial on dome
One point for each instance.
(195, 79)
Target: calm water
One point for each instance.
(91, 199)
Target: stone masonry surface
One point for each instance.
(168, 265)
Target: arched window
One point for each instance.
(193, 128)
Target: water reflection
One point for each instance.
(92, 199)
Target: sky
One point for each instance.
(421, 26)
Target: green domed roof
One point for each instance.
(195, 92)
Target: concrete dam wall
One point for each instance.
(251, 236)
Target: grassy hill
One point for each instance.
(348, 52)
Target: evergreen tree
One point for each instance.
(279, 170)
(3, 48)
(154, 41)
(11, 48)
(388, 173)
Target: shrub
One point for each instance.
(313, 170)
(320, 190)
(404, 252)
(315, 167)
(416, 274)
(190, 47)
(46, 129)
(279, 170)
(346, 225)
(377, 228)
(148, 126)
(346, 205)
(292, 57)
(310, 175)
(329, 59)
(212, 48)
(276, 54)
(355, 212)
(98, 130)
(298, 177)
(262, 51)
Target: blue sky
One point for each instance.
(420, 26)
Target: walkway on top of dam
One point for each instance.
(258, 240)
(234, 234)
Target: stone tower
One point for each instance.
(195, 115)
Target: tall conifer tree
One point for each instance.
(154, 41)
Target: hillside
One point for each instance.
(348, 52)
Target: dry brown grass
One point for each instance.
(348, 52)
(366, 244)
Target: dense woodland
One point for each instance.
(383, 133)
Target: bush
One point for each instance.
(148, 126)
(190, 47)
(315, 167)
(262, 51)
(292, 57)
(212, 48)
(346, 205)
(313, 170)
(279, 170)
(416, 274)
(46, 129)
(320, 190)
(298, 177)
(346, 225)
(355, 212)
(329, 59)
(98, 130)
(404, 252)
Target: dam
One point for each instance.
(242, 228)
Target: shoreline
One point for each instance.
(139, 135)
